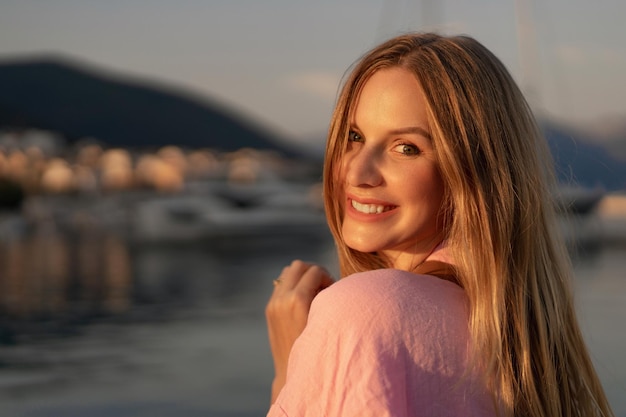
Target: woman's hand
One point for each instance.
(288, 309)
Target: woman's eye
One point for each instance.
(354, 137)
(407, 149)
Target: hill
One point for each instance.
(581, 160)
(79, 101)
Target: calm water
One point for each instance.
(92, 327)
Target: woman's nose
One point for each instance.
(363, 169)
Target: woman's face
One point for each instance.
(393, 190)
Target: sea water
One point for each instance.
(93, 326)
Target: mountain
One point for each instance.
(610, 130)
(77, 101)
(581, 160)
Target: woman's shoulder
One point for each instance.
(379, 284)
(423, 319)
(391, 292)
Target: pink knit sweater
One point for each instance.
(384, 343)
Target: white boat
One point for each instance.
(226, 211)
(578, 200)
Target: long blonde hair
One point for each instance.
(498, 218)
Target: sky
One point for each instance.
(279, 62)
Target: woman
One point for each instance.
(456, 297)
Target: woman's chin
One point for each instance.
(361, 245)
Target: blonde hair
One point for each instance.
(498, 218)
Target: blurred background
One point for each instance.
(160, 162)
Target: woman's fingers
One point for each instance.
(288, 309)
(302, 277)
(296, 287)
(314, 279)
(291, 275)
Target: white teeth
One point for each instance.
(368, 208)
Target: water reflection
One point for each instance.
(47, 275)
(48, 279)
(94, 325)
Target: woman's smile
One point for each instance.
(365, 207)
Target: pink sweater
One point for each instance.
(384, 343)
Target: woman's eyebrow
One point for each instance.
(411, 130)
(415, 130)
